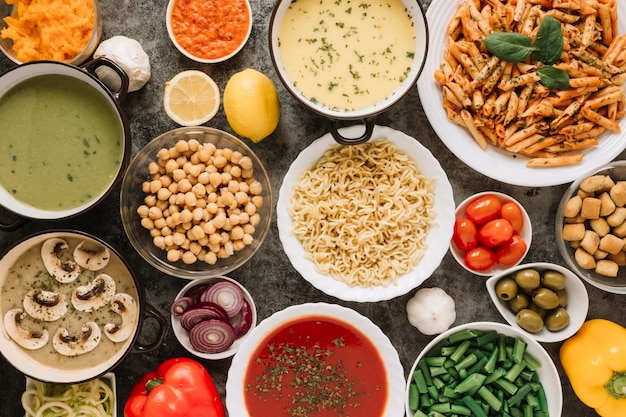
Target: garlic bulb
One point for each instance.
(130, 56)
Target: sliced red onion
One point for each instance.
(242, 322)
(180, 305)
(212, 336)
(227, 294)
(202, 311)
(195, 291)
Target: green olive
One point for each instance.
(528, 279)
(562, 294)
(520, 301)
(553, 280)
(545, 298)
(529, 320)
(557, 320)
(506, 289)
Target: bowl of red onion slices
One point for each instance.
(212, 316)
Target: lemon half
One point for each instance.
(191, 98)
(251, 104)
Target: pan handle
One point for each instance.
(156, 344)
(369, 123)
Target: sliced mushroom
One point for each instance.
(92, 257)
(45, 305)
(28, 339)
(63, 271)
(69, 345)
(94, 295)
(124, 305)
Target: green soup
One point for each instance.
(61, 142)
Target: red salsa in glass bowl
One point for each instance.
(315, 360)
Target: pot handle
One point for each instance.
(154, 345)
(94, 64)
(10, 221)
(369, 129)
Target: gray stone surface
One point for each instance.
(269, 276)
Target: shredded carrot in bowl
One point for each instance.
(49, 29)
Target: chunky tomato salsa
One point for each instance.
(210, 29)
(316, 366)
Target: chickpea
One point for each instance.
(150, 200)
(155, 232)
(255, 188)
(235, 171)
(238, 245)
(179, 238)
(164, 194)
(195, 248)
(153, 168)
(220, 161)
(245, 162)
(249, 229)
(247, 239)
(143, 210)
(145, 187)
(173, 255)
(171, 165)
(163, 154)
(190, 199)
(147, 223)
(236, 233)
(160, 223)
(210, 258)
(159, 242)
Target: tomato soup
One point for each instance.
(210, 29)
(316, 366)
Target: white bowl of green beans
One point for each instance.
(483, 369)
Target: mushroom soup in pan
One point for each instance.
(69, 302)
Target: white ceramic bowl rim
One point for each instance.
(191, 56)
(23, 72)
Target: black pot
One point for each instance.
(100, 362)
(87, 75)
(365, 115)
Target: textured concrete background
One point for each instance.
(269, 275)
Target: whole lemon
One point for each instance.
(251, 104)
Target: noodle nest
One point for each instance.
(362, 213)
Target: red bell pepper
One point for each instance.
(180, 387)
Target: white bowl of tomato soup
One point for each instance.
(348, 62)
(328, 346)
(209, 31)
(65, 155)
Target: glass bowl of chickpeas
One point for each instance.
(196, 202)
(590, 227)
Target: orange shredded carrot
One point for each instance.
(49, 29)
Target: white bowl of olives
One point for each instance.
(545, 300)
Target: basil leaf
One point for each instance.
(549, 41)
(552, 77)
(509, 46)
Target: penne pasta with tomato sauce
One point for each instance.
(526, 106)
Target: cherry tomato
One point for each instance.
(483, 209)
(511, 251)
(479, 259)
(513, 213)
(465, 234)
(495, 232)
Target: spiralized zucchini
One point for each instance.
(89, 399)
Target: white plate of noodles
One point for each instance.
(493, 161)
(372, 222)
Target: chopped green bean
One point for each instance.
(459, 352)
(489, 398)
(420, 381)
(470, 384)
(465, 334)
(519, 395)
(477, 373)
(476, 408)
(414, 396)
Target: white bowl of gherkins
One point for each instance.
(481, 369)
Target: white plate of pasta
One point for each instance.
(538, 158)
(339, 210)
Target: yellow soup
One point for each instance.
(344, 54)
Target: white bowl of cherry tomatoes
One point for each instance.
(492, 233)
